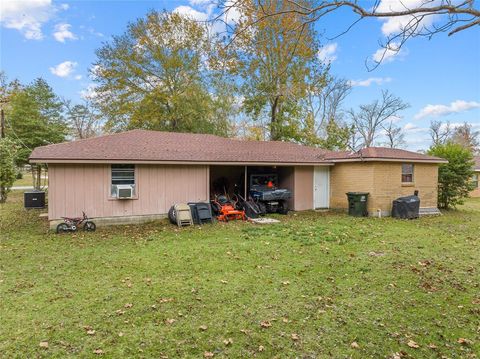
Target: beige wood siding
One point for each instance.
(86, 187)
(383, 181)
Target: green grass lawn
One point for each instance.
(308, 287)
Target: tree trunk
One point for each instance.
(274, 135)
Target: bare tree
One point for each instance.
(325, 100)
(371, 118)
(83, 120)
(424, 18)
(439, 132)
(394, 134)
(466, 136)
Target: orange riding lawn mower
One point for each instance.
(228, 209)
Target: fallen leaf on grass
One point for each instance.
(121, 334)
(208, 355)
(265, 324)
(203, 328)
(98, 351)
(165, 300)
(228, 341)
(120, 312)
(295, 337)
(43, 345)
(170, 321)
(412, 344)
(355, 345)
(285, 320)
(432, 346)
(464, 341)
(128, 305)
(286, 282)
(261, 348)
(91, 332)
(223, 281)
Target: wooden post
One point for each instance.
(2, 123)
(245, 183)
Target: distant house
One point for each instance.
(476, 178)
(137, 175)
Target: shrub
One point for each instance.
(453, 177)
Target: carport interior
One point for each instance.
(228, 179)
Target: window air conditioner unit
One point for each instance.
(124, 191)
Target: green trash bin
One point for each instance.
(357, 204)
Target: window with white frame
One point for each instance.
(407, 173)
(122, 175)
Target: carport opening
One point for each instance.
(232, 180)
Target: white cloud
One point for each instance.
(393, 25)
(27, 16)
(444, 110)
(328, 53)
(62, 32)
(371, 80)
(89, 93)
(64, 69)
(200, 2)
(388, 54)
(191, 13)
(78, 77)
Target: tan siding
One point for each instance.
(476, 192)
(349, 177)
(303, 188)
(86, 187)
(383, 181)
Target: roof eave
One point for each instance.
(132, 161)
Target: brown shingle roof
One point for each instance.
(143, 145)
(381, 153)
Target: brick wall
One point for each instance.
(383, 181)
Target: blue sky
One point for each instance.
(439, 78)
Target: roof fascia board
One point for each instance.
(371, 159)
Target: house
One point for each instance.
(161, 168)
(476, 177)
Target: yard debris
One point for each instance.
(263, 220)
(98, 351)
(120, 312)
(121, 334)
(355, 345)
(261, 348)
(265, 324)
(376, 254)
(228, 341)
(208, 355)
(412, 344)
(128, 305)
(464, 341)
(295, 337)
(91, 332)
(203, 328)
(165, 300)
(285, 320)
(286, 282)
(432, 346)
(223, 281)
(43, 345)
(170, 321)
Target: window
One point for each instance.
(407, 173)
(122, 175)
(475, 181)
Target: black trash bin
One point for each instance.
(357, 204)
(34, 199)
(406, 207)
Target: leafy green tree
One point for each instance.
(160, 75)
(8, 151)
(337, 136)
(453, 177)
(35, 118)
(275, 58)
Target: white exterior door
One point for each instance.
(321, 187)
